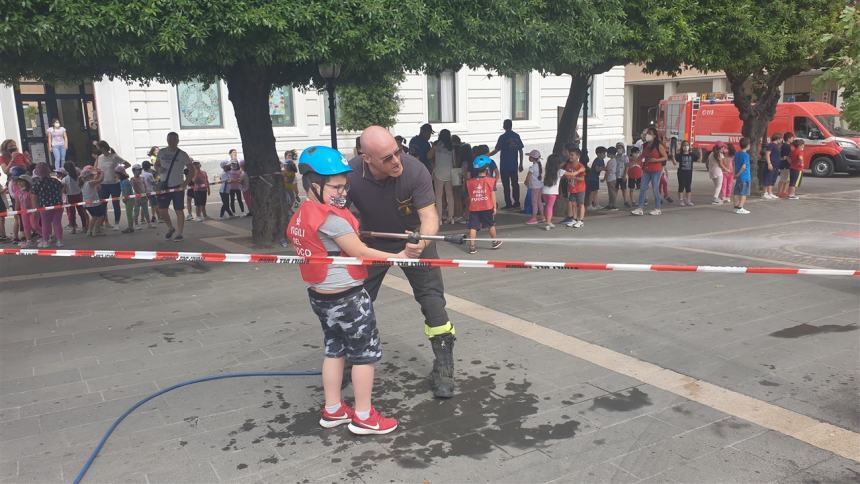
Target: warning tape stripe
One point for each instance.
(111, 199)
(355, 261)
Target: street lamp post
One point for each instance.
(330, 72)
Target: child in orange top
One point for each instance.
(482, 202)
(796, 168)
(575, 173)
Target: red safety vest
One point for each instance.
(480, 193)
(303, 232)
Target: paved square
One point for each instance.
(81, 340)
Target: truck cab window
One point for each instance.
(806, 128)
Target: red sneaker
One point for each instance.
(345, 414)
(375, 424)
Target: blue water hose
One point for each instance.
(137, 405)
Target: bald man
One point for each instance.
(393, 192)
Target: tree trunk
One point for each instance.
(756, 117)
(249, 88)
(567, 125)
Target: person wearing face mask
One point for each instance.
(323, 226)
(653, 156)
(58, 141)
(684, 161)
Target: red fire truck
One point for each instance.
(707, 118)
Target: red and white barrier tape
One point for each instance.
(462, 263)
(88, 204)
(111, 199)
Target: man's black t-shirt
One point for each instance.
(391, 204)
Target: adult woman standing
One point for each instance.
(441, 156)
(653, 156)
(107, 162)
(58, 142)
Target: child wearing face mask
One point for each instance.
(322, 226)
(684, 160)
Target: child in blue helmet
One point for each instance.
(482, 202)
(322, 227)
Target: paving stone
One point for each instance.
(608, 443)
(39, 469)
(728, 464)
(18, 385)
(90, 413)
(8, 469)
(57, 405)
(783, 451)
(10, 414)
(15, 429)
(44, 443)
(689, 415)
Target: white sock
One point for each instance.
(363, 415)
(334, 408)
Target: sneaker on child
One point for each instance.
(374, 424)
(342, 415)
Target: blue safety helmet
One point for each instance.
(16, 172)
(482, 162)
(323, 160)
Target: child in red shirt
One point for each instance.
(575, 173)
(796, 168)
(482, 202)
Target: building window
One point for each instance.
(281, 106)
(520, 96)
(441, 97)
(590, 102)
(199, 105)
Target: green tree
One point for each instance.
(252, 45)
(759, 45)
(368, 103)
(844, 65)
(574, 37)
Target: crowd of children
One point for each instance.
(34, 185)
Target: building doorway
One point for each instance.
(73, 104)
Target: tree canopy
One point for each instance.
(844, 65)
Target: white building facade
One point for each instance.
(134, 117)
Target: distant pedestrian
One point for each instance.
(575, 172)
(201, 191)
(510, 147)
(126, 190)
(169, 165)
(89, 181)
(74, 195)
(482, 203)
(728, 173)
(245, 181)
(419, 145)
(441, 156)
(621, 174)
(742, 174)
(610, 177)
(715, 170)
(234, 183)
(796, 166)
(21, 190)
(534, 183)
(653, 156)
(550, 188)
(49, 192)
(141, 201)
(634, 173)
(592, 178)
(150, 185)
(58, 143)
(224, 191)
(684, 160)
(107, 162)
(772, 166)
(785, 166)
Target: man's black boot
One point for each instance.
(442, 376)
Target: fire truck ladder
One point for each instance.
(693, 116)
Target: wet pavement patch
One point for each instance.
(622, 401)
(809, 330)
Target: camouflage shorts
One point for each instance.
(349, 325)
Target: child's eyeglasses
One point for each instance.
(339, 188)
